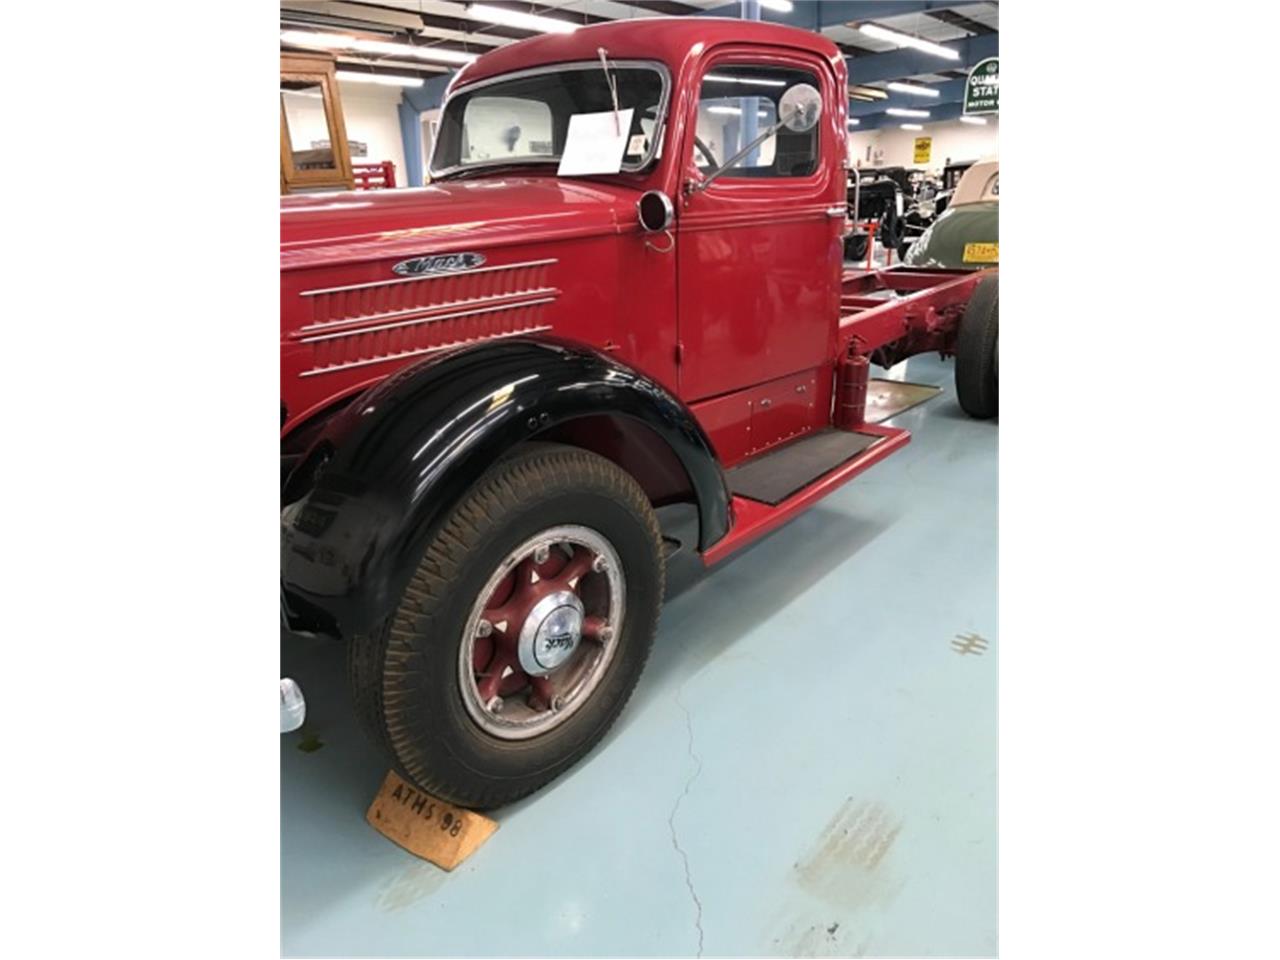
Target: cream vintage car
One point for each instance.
(967, 234)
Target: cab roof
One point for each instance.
(667, 39)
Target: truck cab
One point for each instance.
(511, 396)
(742, 290)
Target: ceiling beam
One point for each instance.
(667, 8)
(816, 14)
(959, 20)
(406, 38)
(945, 112)
(950, 92)
(906, 62)
(555, 13)
(852, 49)
(472, 27)
(367, 13)
(395, 67)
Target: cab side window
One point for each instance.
(736, 104)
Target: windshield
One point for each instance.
(524, 117)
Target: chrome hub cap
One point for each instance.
(551, 633)
(542, 632)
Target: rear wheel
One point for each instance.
(977, 356)
(891, 231)
(523, 631)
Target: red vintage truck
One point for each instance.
(510, 397)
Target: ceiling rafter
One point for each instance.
(667, 8)
(959, 20)
(851, 49)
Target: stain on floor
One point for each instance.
(414, 883)
(846, 865)
(818, 939)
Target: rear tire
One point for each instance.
(977, 380)
(408, 676)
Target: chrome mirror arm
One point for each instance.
(711, 177)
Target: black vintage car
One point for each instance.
(879, 196)
(929, 203)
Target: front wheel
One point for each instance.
(523, 632)
(977, 352)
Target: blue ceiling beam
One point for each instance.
(816, 14)
(950, 92)
(944, 111)
(905, 62)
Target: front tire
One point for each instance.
(977, 380)
(523, 631)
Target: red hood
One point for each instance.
(363, 225)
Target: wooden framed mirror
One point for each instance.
(313, 137)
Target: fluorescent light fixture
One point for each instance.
(782, 6)
(734, 111)
(513, 18)
(752, 80)
(911, 126)
(385, 79)
(906, 40)
(867, 93)
(410, 50)
(904, 112)
(441, 55)
(335, 41)
(979, 121)
(378, 46)
(325, 41)
(900, 87)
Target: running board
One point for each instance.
(753, 518)
(785, 470)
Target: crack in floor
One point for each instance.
(671, 822)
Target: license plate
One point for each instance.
(982, 253)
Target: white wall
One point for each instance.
(951, 138)
(371, 115)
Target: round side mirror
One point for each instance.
(800, 108)
(656, 211)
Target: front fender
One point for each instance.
(362, 505)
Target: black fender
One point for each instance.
(361, 505)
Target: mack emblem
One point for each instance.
(444, 263)
(559, 640)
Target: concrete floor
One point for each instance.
(808, 767)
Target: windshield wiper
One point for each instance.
(490, 166)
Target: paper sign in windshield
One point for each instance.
(595, 143)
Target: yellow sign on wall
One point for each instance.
(924, 147)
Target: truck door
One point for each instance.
(759, 250)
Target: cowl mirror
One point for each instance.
(800, 107)
(655, 211)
